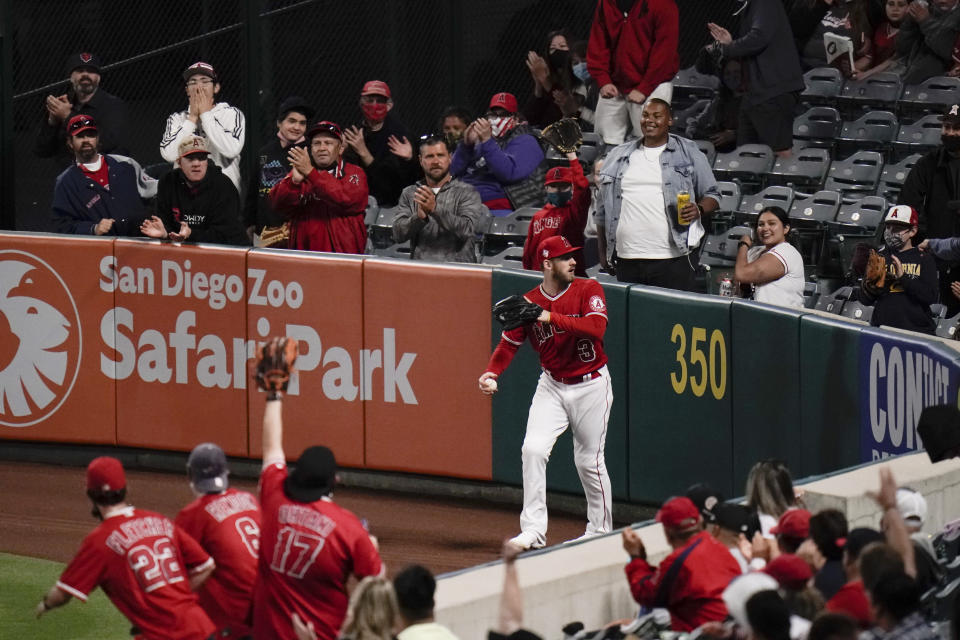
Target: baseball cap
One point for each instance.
(678, 513)
(733, 517)
(912, 505)
(297, 104)
(314, 475)
(201, 69)
(375, 88)
(554, 247)
(105, 474)
(559, 175)
(80, 123)
(902, 214)
(706, 498)
(192, 145)
(325, 126)
(504, 100)
(207, 468)
(790, 571)
(939, 428)
(857, 539)
(794, 523)
(952, 113)
(83, 61)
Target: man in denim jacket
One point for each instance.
(642, 235)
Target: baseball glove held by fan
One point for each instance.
(515, 311)
(563, 135)
(274, 366)
(876, 274)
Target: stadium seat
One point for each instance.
(823, 86)
(689, 85)
(834, 302)
(720, 249)
(708, 150)
(865, 213)
(821, 207)
(600, 276)
(947, 327)
(918, 137)
(879, 91)
(381, 231)
(933, 95)
(894, 175)
(373, 210)
(729, 197)
(592, 138)
(874, 130)
(751, 206)
(938, 311)
(399, 251)
(747, 164)
(682, 117)
(807, 167)
(818, 126)
(944, 600)
(857, 175)
(510, 257)
(811, 293)
(507, 231)
(856, 310)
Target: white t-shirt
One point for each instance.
(787, 290)
(644, 231)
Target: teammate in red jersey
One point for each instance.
(309, 546)
(568, 202)
(226, 523)
(574, 389)
(144, 563)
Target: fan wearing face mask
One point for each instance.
(903, 291)
(557, 91)
(565, 214)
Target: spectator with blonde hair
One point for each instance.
(373, 611)
(770, 492)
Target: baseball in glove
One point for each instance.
(274, 366)
(563, 135)
(876, 273)
(515, 311)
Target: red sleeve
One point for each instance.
(348, 193)
(285, 195)
(592, 326)
(194, 557)
(643, 580)
(580, 203)
(366, 560)
(598, 49)
(510, 341)
(84, 572)
(664, 59)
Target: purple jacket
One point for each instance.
(488, 167)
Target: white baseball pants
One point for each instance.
(617, 117)
(585, 408)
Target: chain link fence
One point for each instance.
(432, 53)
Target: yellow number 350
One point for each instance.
(714, 372)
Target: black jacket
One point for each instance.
(272, 167)
(905, 303)
(929, 188)
(766, 45)
(113, 127)
(388, 174)
(211, 208)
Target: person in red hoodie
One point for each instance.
(323, 196)
(690, 581)
(568, 201)
(633, 55)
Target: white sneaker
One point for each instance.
(587, 536)
(527, 540)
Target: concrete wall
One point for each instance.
(585, 581)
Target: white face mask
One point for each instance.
(501, 124)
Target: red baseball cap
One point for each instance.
(200, 69)
(790, 571)
(559, 174)
(903, 214)
(79, 123)
(327, 127)
(504, 100)
(105, 474)
(678, 513)
(554, 247)
(376, 88)
(794, 523)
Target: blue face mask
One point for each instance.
(559, 198)
(580, 70)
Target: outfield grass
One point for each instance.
(23, 581)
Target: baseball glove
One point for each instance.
(274, 366)
(515, 311)
(876, 273)
(563, 135)
(277, 237)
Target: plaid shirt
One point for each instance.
(913, 627)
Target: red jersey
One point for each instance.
(308, 551)
(694, 593)
(884, 42)
(851, 599)
(568, 221)
(227, 525)
(325, 210)
(101, 176)
(140, 559)
(571, 345)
